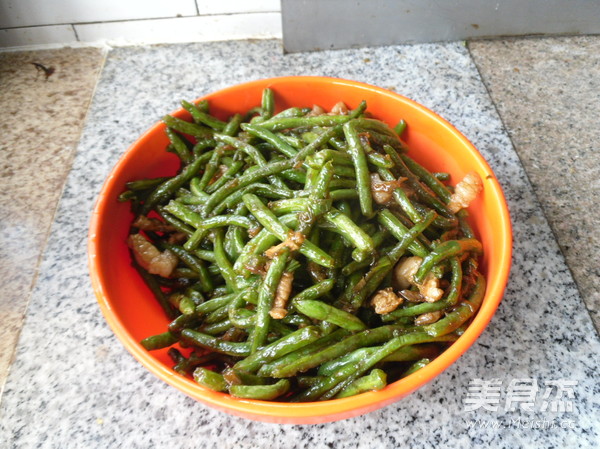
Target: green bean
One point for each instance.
(183, 303)
(430, 180)
(185, 366)
(416, 366)
(266, 190)
(215, 303)
(195, 190)
(218, 315)
(229, 174)
(281, 347)
(216, 328)
(209, 170)
(242, 318)
(223, 262)
(203, 106)
(190, 217)
(289, 205)
(342, 194)
(194, 263)
(359, 161)
(166, 189)
(202, 118)
(265, 300)
(210, 379)
(320, 188)
(233, 125)
(377, 239)
(129, 195)
(191, 129)
(154, 287)
(267, 105)
(379, 160)
(398, 230)
(307, 381)
(443, 251)
(330, 367)
(257, 245)
(196, 338)
(295, 175)
(278, 124)
(236, 377)
(263, 392)
(343, 160)
(324, 312)
(327, 135)
(159, 341)
(278, 142)
(235, 240)
(374, 381)
(415, 352)
(311, 348)
(179, 145)
(415, 183)
(292, 112)
(203, 144)
(179, 225)
(311, 178)
(347, 228)
(195, 296)
(144, 184)
(385, 265)
(192, 198)
(254, 153)
(347, 373)
(400, 128)
(355, 265)
(440, 221)
(362, 339)
(205, 254)
(315, 291)
(463, 224)
(266, 218)
(460, 314)
(400, 196)
(242, 181)
(380, 133)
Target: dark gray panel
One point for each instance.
(331, 24)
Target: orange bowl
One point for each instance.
(133, 314)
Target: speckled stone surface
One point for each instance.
(547, 92)
(40, 127)
(73, 384)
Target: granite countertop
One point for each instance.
(35, 159)
(72, 383)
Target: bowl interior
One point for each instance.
(132, 313)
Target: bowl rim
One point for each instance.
(309, 412)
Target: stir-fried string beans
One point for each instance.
(302, 255)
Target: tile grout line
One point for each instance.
(75, 32)
(141, 19)
(554, 235)
(51, 224)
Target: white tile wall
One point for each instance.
(21, 13)
(33, 36)
(187, 29)
(237, 6)
(26, 23)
